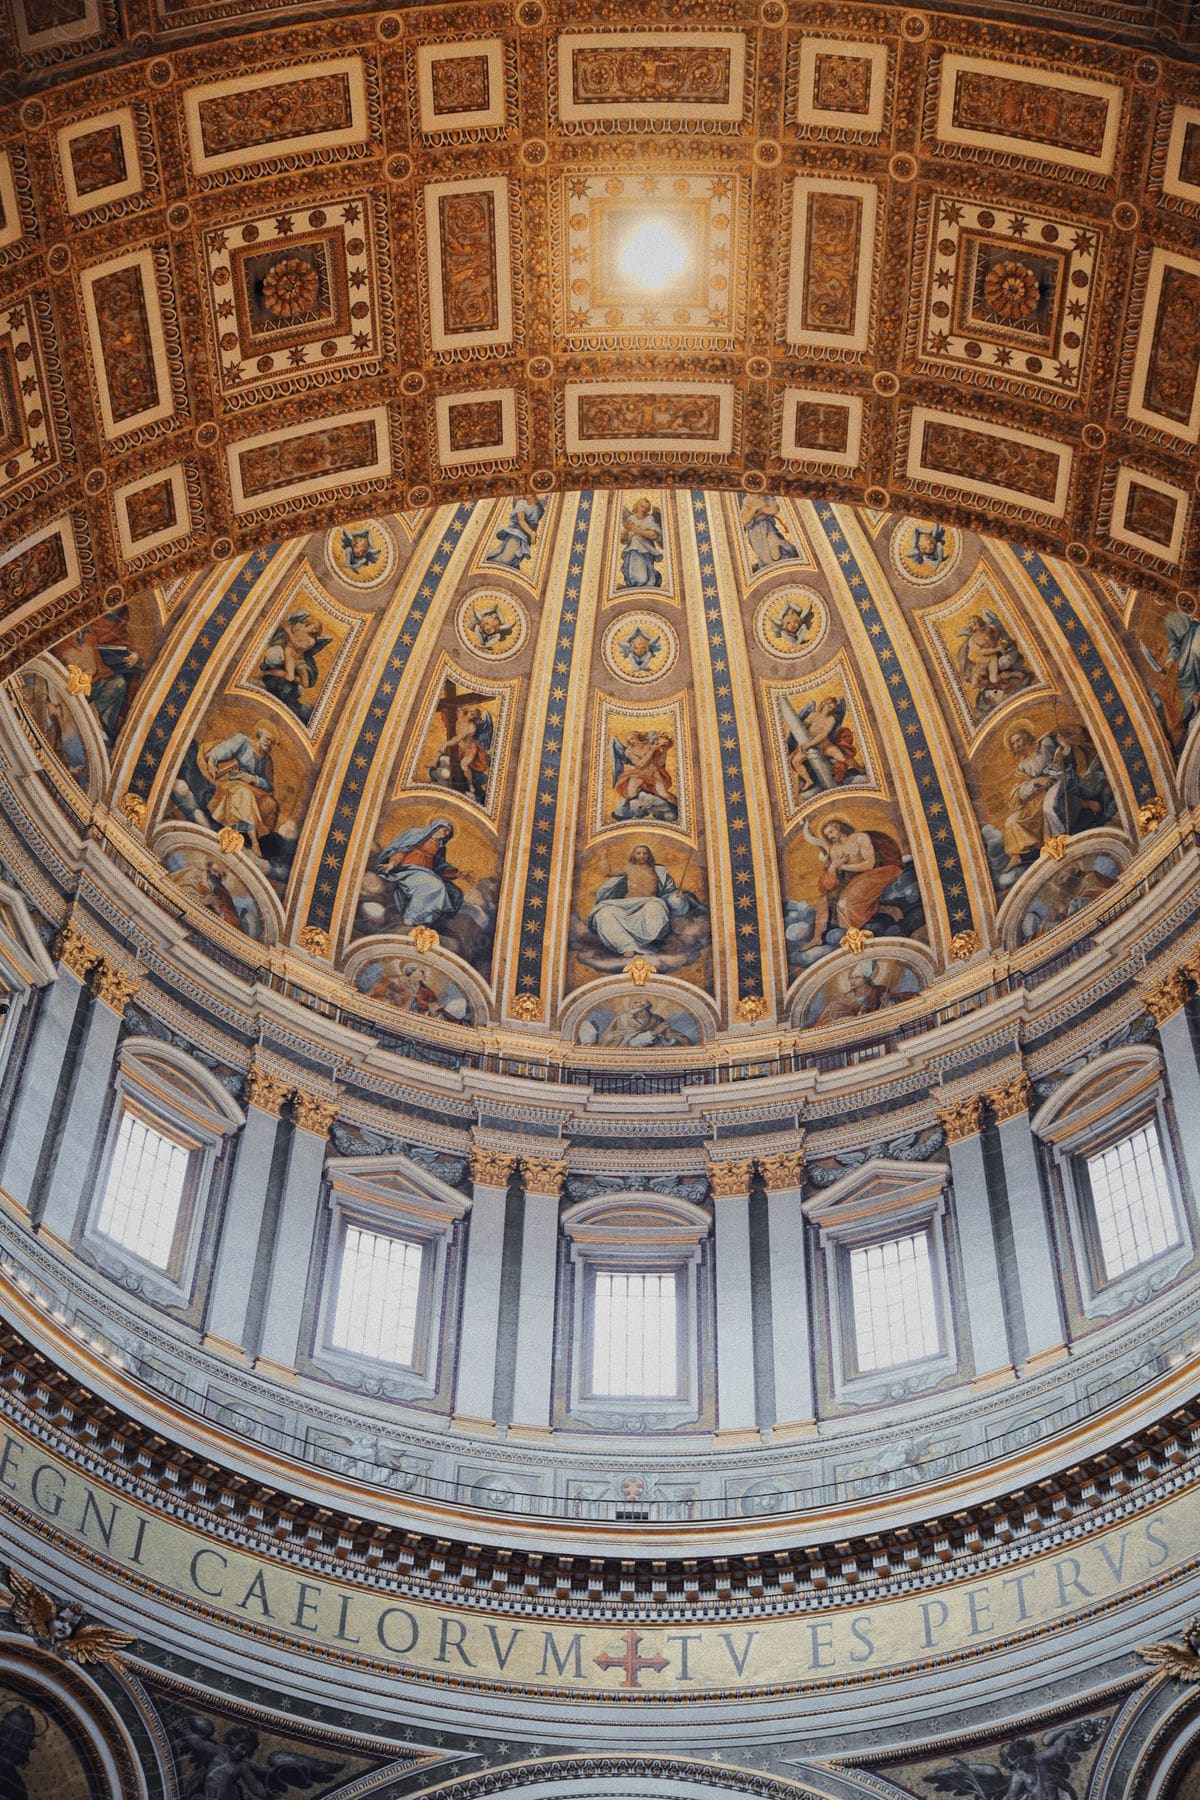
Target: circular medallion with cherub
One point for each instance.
(791, 621)
(922, 551)
(639, 646)
(491, 625)
(362, 554)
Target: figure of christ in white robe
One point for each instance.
(633, 911)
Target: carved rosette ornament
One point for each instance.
(76, 951)
(491, 1168)
(115, 987)
(730, 1180)
(543, 1174)
(313, 1115)
(962, 1120)
(1151, 815)
(266, 1092)
(1165, 998)
(784, 1171)
(964, 945)
(133, 808)
(1011, 1098)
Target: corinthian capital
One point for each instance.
(1166, 997)
(1011, 1098)
(783, 1171)
(962, 1120)
(730, 1180)
(314, 1115)
(491, 1168)
(266, 1091)
(114, 987)
(76, 951)
(543, 1174)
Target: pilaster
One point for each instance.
(736, 1414)
(241, 1228)
(291, 1258)
(1035, 1262)
(533, 1385)
(475, 1383)
(791, 1321)
(962, 1122)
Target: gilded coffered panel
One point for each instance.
(865, 223)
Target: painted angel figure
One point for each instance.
(227, 1768)
(927, 545)
(1027, 1770)
(641, 648)
(359, 549)
(820, 745)
(762, 522)
(489, 627)
(641, 544)
(515, 539)
(289, 663)
(989, 662)
(640, 777)
(793, 625)
(471, 749)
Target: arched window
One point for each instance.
(168, 1126)
(1107, 1132)
(634, 1305)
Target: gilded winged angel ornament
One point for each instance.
(1180, 1660)
(60, 1627)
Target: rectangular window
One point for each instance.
(895, 1311)
(144, 1192)
(1131, 1202)
(635, 1336)
(379, 1292)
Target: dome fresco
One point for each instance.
(634, 768)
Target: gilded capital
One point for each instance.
(114, 987)
(543, 1174)
(76, 952)
(1011, 1098)
(133, 808)
(962, 1120)
(783, 1171)
(314, 1115)
(1166, 997)
(266, 1091)
(731, 1180)
(491, 1168)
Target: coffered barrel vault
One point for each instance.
(294, 284)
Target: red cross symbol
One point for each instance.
(631, 1662)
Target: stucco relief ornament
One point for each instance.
(78, 681)
(315, 940)
(855, 939)
(133, 808)
(964, 945)
(1181, 1661)
(59, 1627)
(231, 841)
(752, 1007)
(964, 1119)
(639, 971)
(425, 939)
(1151, 815)
(527, 1007)
(1056, 847)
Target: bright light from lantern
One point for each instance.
(653, 255)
